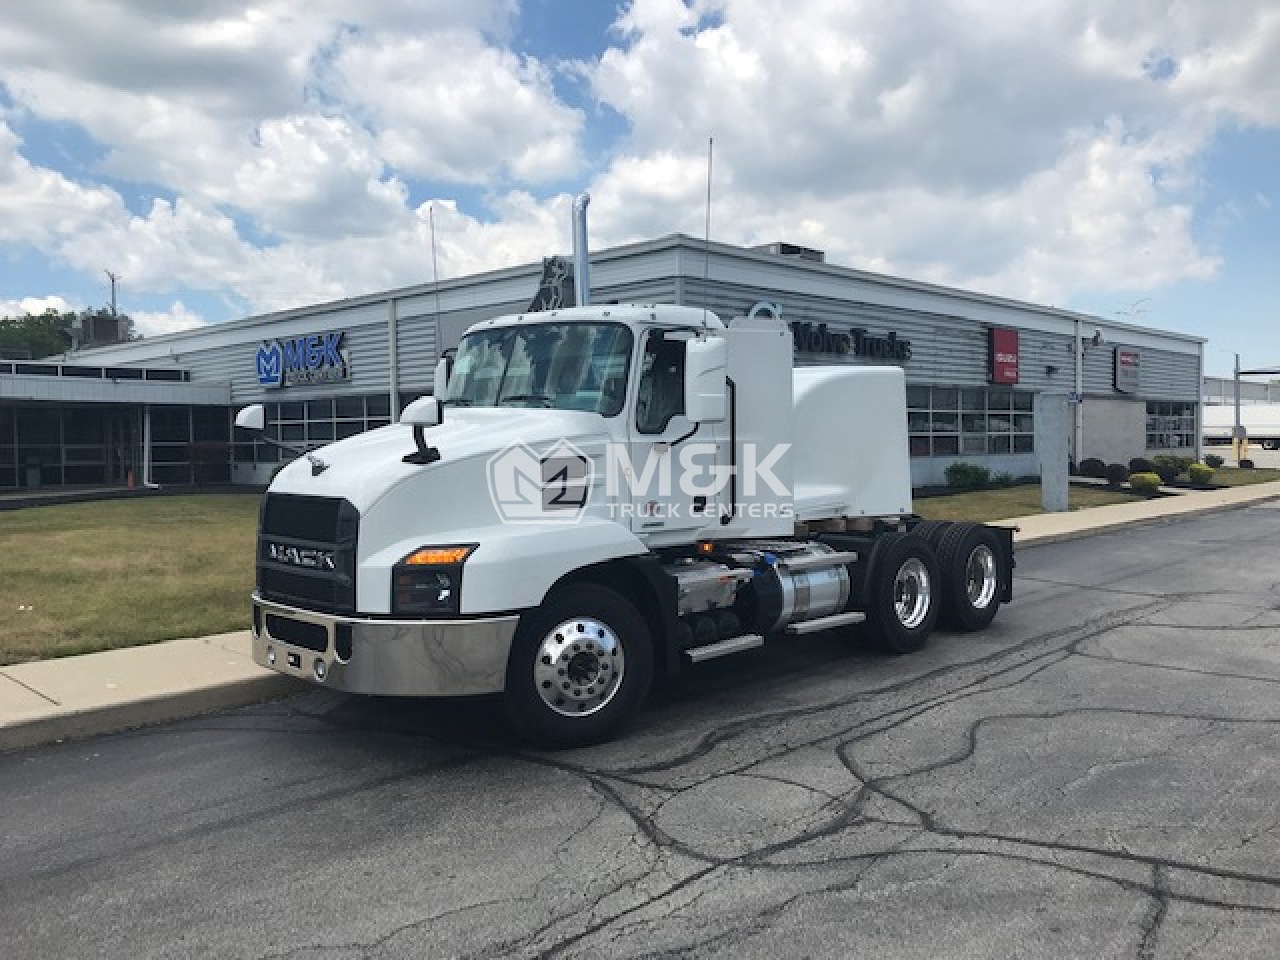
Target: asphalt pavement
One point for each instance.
(1096, 775)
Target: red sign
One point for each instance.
(1002, 354)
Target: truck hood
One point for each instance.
(365, 468)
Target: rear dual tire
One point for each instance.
(902, 593)
(972, 569)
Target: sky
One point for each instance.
(231, 157)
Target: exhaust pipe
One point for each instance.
(581, 267)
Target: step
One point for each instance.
(826, 623)
(722, 648)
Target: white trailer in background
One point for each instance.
(1261, 422)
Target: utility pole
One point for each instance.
(1237, 435)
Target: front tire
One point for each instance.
(902, 598)
(580, 666)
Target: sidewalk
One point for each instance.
(97, 693)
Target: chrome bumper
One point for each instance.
(409, 658)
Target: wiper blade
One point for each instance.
(528, 397)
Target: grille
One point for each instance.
(312, 636)
(316, 536)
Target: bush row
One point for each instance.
(972, 476)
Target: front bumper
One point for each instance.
(409, 658)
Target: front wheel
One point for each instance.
(580, 667)
(902, 593)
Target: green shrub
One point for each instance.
(1144, 483)
(1002, 480)
(1167, 472)
(1213, 460)
(1246, 464)
(967, 476)
(1093, 467)
(1117, 473)
(1200, 474)
(1171, 462)
(1141, 465)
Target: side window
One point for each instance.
(661, 390)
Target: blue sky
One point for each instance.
(234, 156)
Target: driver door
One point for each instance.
(659, 431)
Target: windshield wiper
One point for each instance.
(526, 397)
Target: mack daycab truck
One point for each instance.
(600, 495)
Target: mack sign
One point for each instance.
(302, 361)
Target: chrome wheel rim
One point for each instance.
(579, 667)
(912, 593)
(980, 577)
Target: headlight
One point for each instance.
(429, 580)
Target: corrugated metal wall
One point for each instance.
(952, 350)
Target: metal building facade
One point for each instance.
(390, 342)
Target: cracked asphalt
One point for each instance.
(1097, 775)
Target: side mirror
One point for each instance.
(423, 412)
(706, 398)
(441, 380)
(252, 417)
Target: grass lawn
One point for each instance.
(1235, 477)
(1019, 501)
(123, 572)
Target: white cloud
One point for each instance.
(152, 323)
(35, 305)
(1032, 149)
(447, 106)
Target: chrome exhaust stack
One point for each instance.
(581, 266)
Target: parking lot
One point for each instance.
(1097, 775)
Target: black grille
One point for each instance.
(312, 636)
(307, 552)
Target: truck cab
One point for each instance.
(599, 495)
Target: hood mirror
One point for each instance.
(423, 412)
(252, 417)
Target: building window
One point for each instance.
(312, 423)
(969, 421)
(1171, 426)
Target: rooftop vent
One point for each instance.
(793, 250)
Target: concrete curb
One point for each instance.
(1044, 539)
(79, 724)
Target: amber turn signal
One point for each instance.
(437, 556)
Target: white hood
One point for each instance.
(365, 468)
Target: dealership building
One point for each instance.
(161, 409)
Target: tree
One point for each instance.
(48, 333)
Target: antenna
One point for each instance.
(706, 236)
(435, 270)
(113, 277)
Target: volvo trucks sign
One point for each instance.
(303, 361)
(857, 342)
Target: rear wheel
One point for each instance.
(972, 565)
(580, 667)
(902, 593)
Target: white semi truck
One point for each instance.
(601, 495)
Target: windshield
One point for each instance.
(566, 366)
